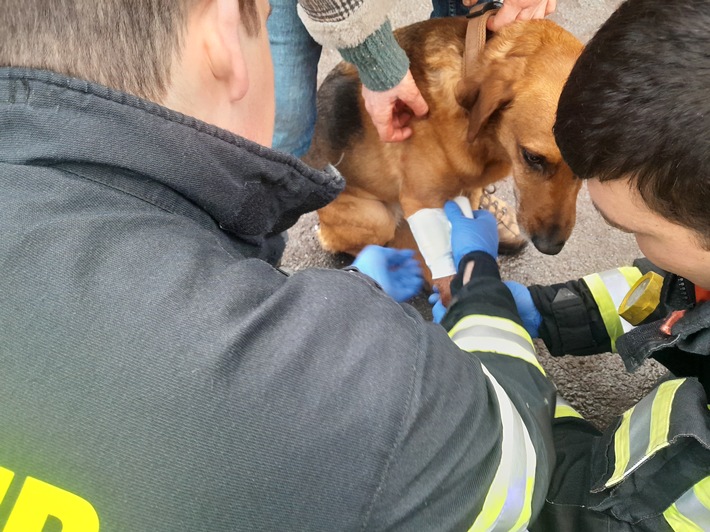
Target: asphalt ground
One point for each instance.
(598, 386)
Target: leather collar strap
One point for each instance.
(476, 33)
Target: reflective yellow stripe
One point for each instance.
(523, 346)
(492, 321)
(643, 430)
(508, 503)
(605, 304)
(6, 477)
(631, 273)
(499, 346)
(661, 415)
(621, 448)
(692, 509)
(609, 289)
(522, 523)
(566, 411)
(678, 522)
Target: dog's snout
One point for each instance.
(550, 245)
(547, 247)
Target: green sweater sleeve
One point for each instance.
(379, 59)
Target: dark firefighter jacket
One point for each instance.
(650, 470)
(158, 374)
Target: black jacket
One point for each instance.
(648, 471)
(159, 372)
(576, 327)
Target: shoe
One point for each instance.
(510, 239)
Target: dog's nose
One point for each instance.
(547, 245)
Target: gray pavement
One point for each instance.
(598, 386)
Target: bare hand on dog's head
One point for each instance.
(391, 110)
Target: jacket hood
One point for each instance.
(47, 119)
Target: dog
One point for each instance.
(495, 121)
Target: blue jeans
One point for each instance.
(449, 8)
(296, 57)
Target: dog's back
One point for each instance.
(344, 134)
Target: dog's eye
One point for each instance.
(534, 160)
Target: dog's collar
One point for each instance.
(476, 33)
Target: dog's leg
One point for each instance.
(404, 239)
(351, 222)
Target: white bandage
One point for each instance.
(432, 231)
(465, 205)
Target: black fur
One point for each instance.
(338, 109)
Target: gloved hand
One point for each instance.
(526, 308)
(479, 233)
(395, 270)
(438, 309)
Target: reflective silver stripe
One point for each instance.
(643, 430)
(691, 512)
(508, 503)
(495, 335)
(692, 507)
(618, 286)
(618, 282)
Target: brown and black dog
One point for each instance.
(496, 121)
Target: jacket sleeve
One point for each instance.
(581, 317)
(476, 451)
(362, 33)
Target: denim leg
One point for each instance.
(296, 57)
(450, 8)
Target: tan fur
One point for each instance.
(473, 136)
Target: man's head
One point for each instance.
(207, 58)
(634, 118)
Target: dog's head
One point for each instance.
(512, 99)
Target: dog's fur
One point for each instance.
(479, 130)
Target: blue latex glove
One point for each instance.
(479, 233)
(395, 270)
(438, 309)
(526, 308)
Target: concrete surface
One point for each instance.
(598, 386)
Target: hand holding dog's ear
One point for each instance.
(479, 233)
(391, 110)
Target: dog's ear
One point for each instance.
(482, 98)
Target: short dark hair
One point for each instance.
(637, 106)
(125, 44)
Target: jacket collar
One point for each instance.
(690, 334)
(249, 190)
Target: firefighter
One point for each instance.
(159, 372)
(633, 121)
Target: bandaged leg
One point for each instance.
(432, 231)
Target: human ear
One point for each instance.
(225, 48)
